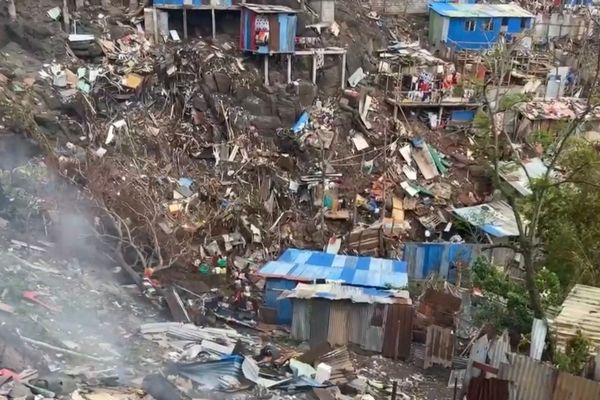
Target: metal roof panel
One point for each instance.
(464, 10)
(304, 265)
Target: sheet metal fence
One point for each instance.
(533, 380)
(442, 258)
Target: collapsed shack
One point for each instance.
(547, 115)
(376, 320)
(436, 322)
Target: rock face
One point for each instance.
(307, 92)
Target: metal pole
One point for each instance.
(214, 22)
(289, 68)
(314, 68)
(266, 58)
(185, 27)
(455, 388)
(343, 70)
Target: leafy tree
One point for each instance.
(570, 223)
(532, 213)
(576, 354)
(506, 303)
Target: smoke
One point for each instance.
(68, 265)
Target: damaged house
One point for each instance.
(374, 319)
(308, 266)
(548, 115)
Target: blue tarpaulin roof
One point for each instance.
(308, 265)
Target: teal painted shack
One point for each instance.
(268, 29)
(476, 26)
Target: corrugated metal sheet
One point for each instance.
(519, 177)
(213, 374)
(308, 265)
(439, 347)
(538, 338)
(342, 369)
(301, 320)
(397, 337)
(496, 218)
(580, 310)
(283, 308)
(487, 389)
(319, 322)
(425, 258)
(357, 321)
(570, 387)
(498, 351)
(530, 379)
(338, 333)
(269, 9)
(479, 10)
(336, 291)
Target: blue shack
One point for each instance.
(268, 29)
(475, 26)
(296, 265)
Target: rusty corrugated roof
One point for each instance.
(580, 311)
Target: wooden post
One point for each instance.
(383, 175)
(266, 62)
(155, 21)
(185, 27)
(343, 70)
(289, 68)
(66, 15)
(395, 383)
(314, 68)
(214, 22)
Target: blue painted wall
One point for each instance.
(480, 38)
(273, 289)
(462, 115)
(426, 258)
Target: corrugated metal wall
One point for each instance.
(283, 308)
(319, 322)
(426, 258)
(570, 387)
(530, 379)
(337, 323)
(301, 319)
(338, 333)
(397, 338)
(439, 348)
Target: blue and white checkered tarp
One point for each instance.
(308, 265)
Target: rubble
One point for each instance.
(198, 175)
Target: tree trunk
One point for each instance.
(535, 301)
(12, 10)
